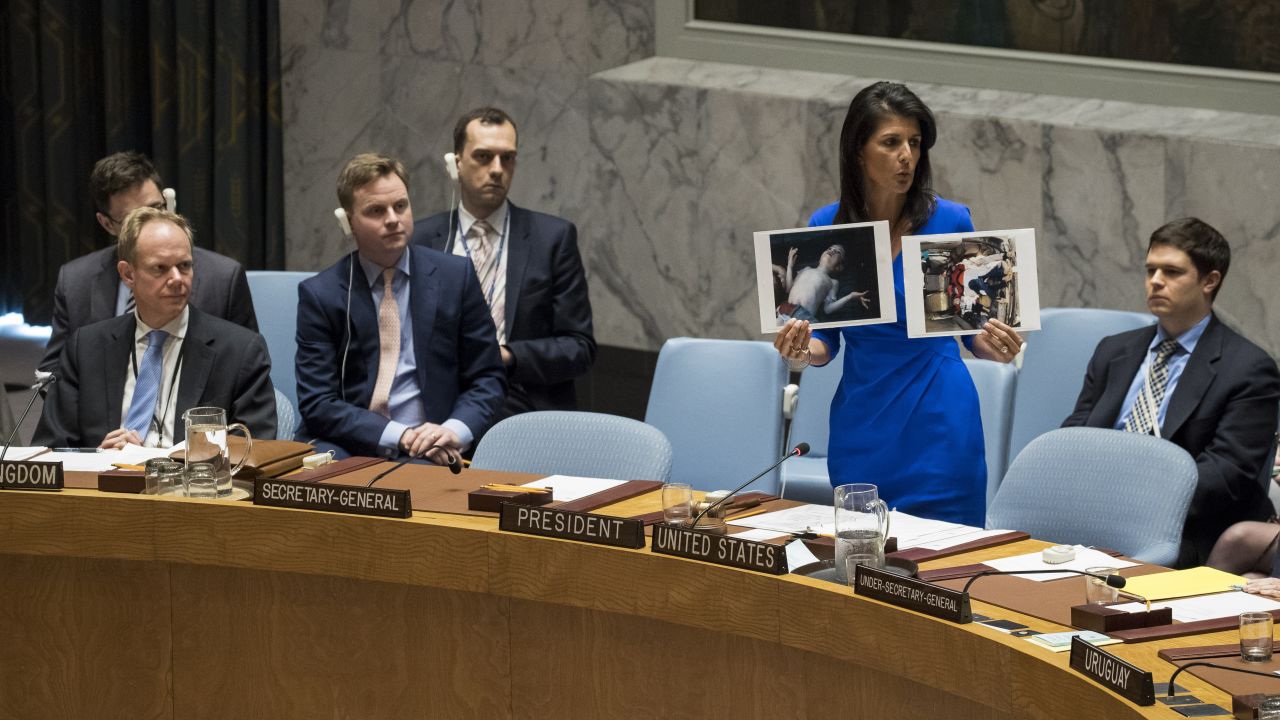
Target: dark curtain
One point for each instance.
(194, 84)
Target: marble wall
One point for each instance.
(694, 156)
(668, 165)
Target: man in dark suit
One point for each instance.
(129, 379)
(1193, 381)
(396, 350)
(527, 263)
(89, 289)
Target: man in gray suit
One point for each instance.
(128, 379)
(89, 288)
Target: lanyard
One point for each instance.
(167, 398)
(497, 264)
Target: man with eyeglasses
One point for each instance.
(89, 288)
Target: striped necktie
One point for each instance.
(1142, 418)
(388, 345)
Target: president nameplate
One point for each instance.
(379, 502)
(719, 549)
(1110, 671)
(571, 525)
(912, 594)
(30, 475)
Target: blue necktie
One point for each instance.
(147, 387)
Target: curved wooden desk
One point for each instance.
(139, 607)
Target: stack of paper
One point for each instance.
(566, 488)
(1061, 641)
(23, 453)
(1085, 558)
(103, 460)
(1208, 607)
(1183, 583)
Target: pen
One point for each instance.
(76, 450)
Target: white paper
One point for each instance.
(867, 268)
(819, 519)
(959, 538)
(1208, 607)
(799, 555)
(760, 535)
(103, 460)
(566, 488)
(24, 453)
(965, 251)
(1085, 558)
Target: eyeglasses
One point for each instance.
(154, 206)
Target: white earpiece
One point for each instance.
(451, 165)
(343, 223)
(170, 199)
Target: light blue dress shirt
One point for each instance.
(1176, 364)
(405, 402)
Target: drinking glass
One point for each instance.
(852, 561)
(163, 477)
(1255, 636)
(207, 443)
(1098, 592)
(862, 525)
(677, 503)
(200, 480)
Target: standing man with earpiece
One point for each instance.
(526, 262)
(89, 288)
(397, 354)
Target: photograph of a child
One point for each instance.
(831, 276)
(963, 280)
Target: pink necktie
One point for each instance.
(388, 345)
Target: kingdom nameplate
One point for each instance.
(379, 502)
(912, 594)
(719, 549)
(1123, 677)
(30, 475)
(570, 525)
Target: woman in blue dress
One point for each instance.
(905, 415)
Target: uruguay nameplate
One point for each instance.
(30, 475)
(380, 502)
(912, 594)
(719, 549)
(570, 525)
(1110, 671)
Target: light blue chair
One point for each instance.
(286, 417)
(1093, 486)
(720, 404)
(995, 383)
(556, 442)
(1053, 368)
(806, 478)
(275, 302)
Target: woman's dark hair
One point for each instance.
(870, 107)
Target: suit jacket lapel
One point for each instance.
(106, 286)
(423, 299)
(1195, 379)
(1120, 372)
(364, 334)
(115, 366)
(197, 362)
(517, 262)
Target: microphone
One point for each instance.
(41, 386)
(454, 465)
(1113, 580)
(1178, 672)
(797, 451)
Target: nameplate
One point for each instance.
(719, 549)
(571, 525)
(1110, 671)
(30, 475)
(912, 594)
(379, 502)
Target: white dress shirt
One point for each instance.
(160, 430)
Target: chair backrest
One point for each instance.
(720, 404)
(557, 442)
(811, 420)
(1094, 486)
(286, 417)
(995, 383)
(275, 302)
(1053, 368)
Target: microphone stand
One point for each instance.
(40, 388)
(1198, 663)
(797, 451)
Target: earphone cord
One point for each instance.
(346, 346)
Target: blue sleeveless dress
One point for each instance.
(905, 415)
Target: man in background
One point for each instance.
(90, 289)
